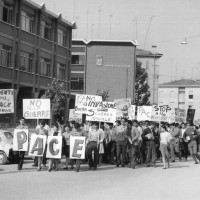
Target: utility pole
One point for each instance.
(99, 21)
(87, 23)
(110, 26)
(92, 30)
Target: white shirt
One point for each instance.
(140, 132)
(165, 137)
(182, 132)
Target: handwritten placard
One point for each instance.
(161, 113)
(123, 107)
(144, 113)
(77, 117)
(6, 101)
(131, 114)
(180, 115)
(36, 108)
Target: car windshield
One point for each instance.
(8, 135)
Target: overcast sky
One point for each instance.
(164, 23)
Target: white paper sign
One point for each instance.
(131, 114)
(54, 147)
(36, 108)
(144, 113)
(20, 140)
(77, 147)
(6, 101)
(106, 112)
(123, 107)
(161, 113)
(86, 103)
(77, 117)
(37, 145)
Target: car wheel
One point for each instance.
(3, 158)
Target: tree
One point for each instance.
(142, 92)
(104, 94)
(57, 98)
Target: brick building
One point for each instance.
(35, 46)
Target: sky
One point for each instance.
(162, 23)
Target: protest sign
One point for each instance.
(77, 117)
(86, 103)
(180, 115)
(37, 145)
(172, 118)
(20, 140)
(190, 115)
(144, 113)
(6, 101)
(123, 108)
(36, 108)
(77, 147)
(106, 112)
(131, 114)
(54, 147)
(161, 113)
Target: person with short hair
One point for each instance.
(165, 138)
(183, 142)
(20, 154)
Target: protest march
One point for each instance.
(116, 133)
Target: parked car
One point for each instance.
(6, 145)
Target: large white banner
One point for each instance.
(131, 114)
(37, 145)
(144, 113)
(20, 140)
(36, 108)
(54, 147)
(77, 147)
(106, 112)
(6, 101)
(85, 104)
(75, 116)
(123, 107)
(161, 113)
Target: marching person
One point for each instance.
(149, 138)
(129, 142)
(191, 135)
(165, 138)
(93, 142)
(20, 154)
(183, 142)
(121, 143)
(101, 143)
(113, 142)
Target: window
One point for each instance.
(78, 59)
(77, 84)
(26, 61)
(190, 94)
(26, 22)
(6, 9)
(45, 66)
(46, 30)
(61, 37)
(61, 71)
(5, 55)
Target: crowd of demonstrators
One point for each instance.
(124, 143)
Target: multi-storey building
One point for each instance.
(181, 94)
(103, 65)
(35, 47)
(150, 63)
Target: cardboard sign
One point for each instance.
(20, 140)
(190, 115)
(180, 115)
(37, 145)
(6, 101)
(123, 108)
(54, 147)
(161, 113)
(106, 112)
(77, 117)
(144, 113)
(36, 108)
(131, 115)
(85, 104)
(77, 147)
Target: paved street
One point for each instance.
(180, 181)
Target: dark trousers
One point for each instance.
(21, 155)
(92, 146)
(121, 149)
(184, 149)
(151, 152)
(113, 151)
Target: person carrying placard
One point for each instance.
(20, 154)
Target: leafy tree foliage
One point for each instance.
(142, 92)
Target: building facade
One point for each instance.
(103, 65)
(183, 94)
(35, 47)
(150, 62)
